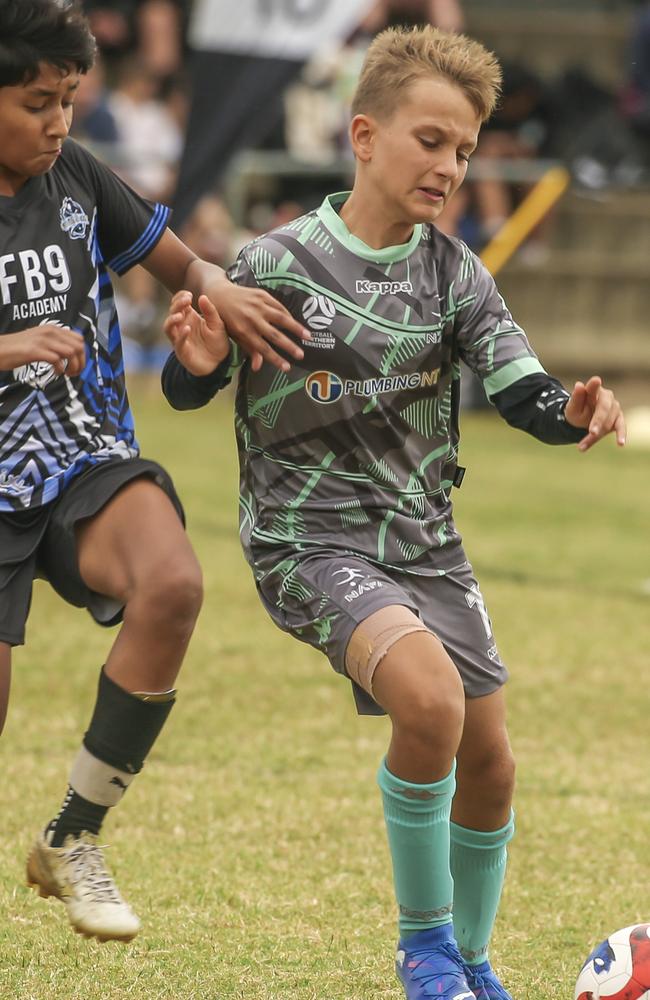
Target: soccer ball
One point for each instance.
(318, 312)
(619, 968)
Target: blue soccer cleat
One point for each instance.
(429, 965)
(484, 983)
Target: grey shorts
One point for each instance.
(42, 543)
(321, 599)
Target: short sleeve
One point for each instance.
(489, 341)
(128, 226)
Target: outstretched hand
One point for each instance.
(595, 408)
(199, 338)
(260, 324)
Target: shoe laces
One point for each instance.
(89, 872)
(419, 959)
(486, 983)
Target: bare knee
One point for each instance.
(170, 596)
(429, 711)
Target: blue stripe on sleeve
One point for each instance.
(144, 244)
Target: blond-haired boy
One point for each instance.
(347, 466)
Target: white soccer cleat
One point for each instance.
(76, 874)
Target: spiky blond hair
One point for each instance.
(399, 56)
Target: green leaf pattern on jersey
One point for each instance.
(429, 416)
(323, 628)
(372, 473)
(381, 472)
(288, 523)
(286, 571)
(322, 239)
(262, 260)
(267, 409)
(351, 513)
(412, 551)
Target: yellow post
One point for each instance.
(537, 203)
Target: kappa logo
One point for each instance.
(365, 287)
(318, 312)
(74, 220)
(324, 387)
(118, 781)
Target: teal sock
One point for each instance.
(478, 866)
(417, 823)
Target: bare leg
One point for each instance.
(485, 776)
(420, 688)
(5, 681)
(136, 550)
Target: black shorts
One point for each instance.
(42, 543)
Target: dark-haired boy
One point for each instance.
(347, 465)
(77, 503)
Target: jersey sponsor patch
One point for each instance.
(324, 387)
(327, 387)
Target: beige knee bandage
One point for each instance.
(372, 639)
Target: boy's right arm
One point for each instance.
(56, 345)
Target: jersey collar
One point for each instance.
(330, 218)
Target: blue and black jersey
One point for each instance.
(58, 237)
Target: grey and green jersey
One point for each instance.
(355, 448)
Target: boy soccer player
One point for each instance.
(347, 465)
(77, 503)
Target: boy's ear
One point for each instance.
(362, 137)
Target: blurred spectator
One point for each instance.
(160, 32)
(152, 28)
(519, 129)
(211, 233)
(93, 119)
(149, 132)
(445, 14)
(150, 136)
(318, 105)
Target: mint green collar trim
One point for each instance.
(336, 226)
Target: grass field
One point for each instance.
(253, 846)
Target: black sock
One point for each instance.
(122, 731)
(77, 814)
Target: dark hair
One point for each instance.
(42, 31)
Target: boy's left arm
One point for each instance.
(541, 406)
(498, 352)
(595, 408)
(253, 318)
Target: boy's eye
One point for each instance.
(429, 143)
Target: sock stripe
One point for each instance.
(96, 781)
